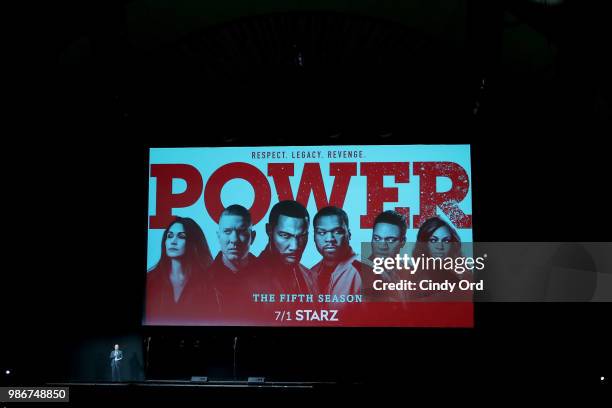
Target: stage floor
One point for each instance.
(187, 393)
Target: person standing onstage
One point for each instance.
(115, 360)
(231, 269)
(338, 273)
(279, 263)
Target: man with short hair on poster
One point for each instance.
(279, 263)
(388, 239)
(115, 360)
(231, 269)
(338, 273)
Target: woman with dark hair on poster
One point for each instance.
(438, 240)
(179, 290)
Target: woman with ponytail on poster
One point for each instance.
(179, 290)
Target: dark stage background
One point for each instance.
(124, 76)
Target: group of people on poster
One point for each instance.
(189, 283)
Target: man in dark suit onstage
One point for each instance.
(115, 358)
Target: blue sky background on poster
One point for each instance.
(238, 191)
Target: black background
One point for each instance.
(77, 184)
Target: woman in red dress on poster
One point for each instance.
(179, 290)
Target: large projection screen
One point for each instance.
(290, 236)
